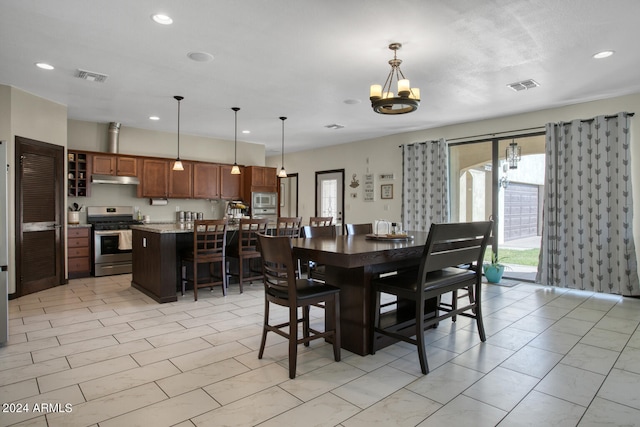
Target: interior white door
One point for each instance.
(330, 195)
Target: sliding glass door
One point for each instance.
(484, 185)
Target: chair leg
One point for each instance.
(422, 352)
(454, 304)
(305, 323)
(335, 315)
(376, 320)
(264, 328)
(240, 271)
(293, 341)
(195, 281)
(183, 277)
(223, 273)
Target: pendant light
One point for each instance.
(235, 170)
(282, 173)
(177, 166)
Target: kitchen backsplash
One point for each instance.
(125, 195)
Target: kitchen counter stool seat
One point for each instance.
(209, 246)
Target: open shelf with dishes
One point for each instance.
(78, 171)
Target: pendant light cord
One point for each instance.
(178, 98)
(283, 119)
(235, 137)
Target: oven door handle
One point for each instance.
(108, 233)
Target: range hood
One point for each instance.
(110, 179)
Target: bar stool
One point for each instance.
(244, 248)
(209, 245)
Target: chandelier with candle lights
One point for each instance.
(384, 100)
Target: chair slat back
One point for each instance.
(320, 221)
(209, 238)
(319, 231)
(248, 231)
(353, 229)
(289, 226)
(451, 244)
(278, 265)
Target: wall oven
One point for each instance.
(111, 243)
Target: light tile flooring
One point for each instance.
(97, 352)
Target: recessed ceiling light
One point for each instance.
(162, 19)
(44, 66)
(200, 56)
(603, 54)
(246, 131)
(154, 118)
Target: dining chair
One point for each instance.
(320, 221)
(314, 270)
(448, 246)
(289, 226)
(352, 229)
(244, 248)
(292, 227)
(209, 246)
(282, 287)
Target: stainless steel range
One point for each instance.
(111, 243)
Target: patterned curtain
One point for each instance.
(587, 237)
(425, 184)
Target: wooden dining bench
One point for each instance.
(451, 261)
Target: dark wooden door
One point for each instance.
(40, 215)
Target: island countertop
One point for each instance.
(176, 227)
(171, 227)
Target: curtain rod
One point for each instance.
(606, 118)
(539, 128)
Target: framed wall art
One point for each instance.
(386, 191)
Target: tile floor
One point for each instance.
(97, 352)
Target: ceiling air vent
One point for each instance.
(91, 76)
(334, 126)
(523, 85)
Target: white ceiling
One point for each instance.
(302, 59)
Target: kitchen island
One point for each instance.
(156, 260)
(156, 249)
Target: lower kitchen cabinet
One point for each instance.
(79, 252)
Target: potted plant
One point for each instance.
(493, 270)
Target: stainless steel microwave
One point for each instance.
(264, 200)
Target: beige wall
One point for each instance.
(30, 117)
(382, 155)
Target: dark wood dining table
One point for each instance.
(351, 262)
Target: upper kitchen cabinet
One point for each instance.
(105, 164)
(230, 185)
(259, 179)
(206, 181)
(181, 182)
(155, 178)
(78, 170)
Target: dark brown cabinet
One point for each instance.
(206, 181)
(230, 185)
(259, 179)
(104, 164)
(155, 178)
(78, 169)
(79, 252)
(181, 182)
